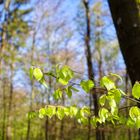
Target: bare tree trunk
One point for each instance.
(4, 30)
(32, 90)
(9, 135)
(3, 44)
(90, 66)
(125, 14)
(4, 112)
(47, 129)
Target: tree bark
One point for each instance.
(90, 66)
(4, 111)
(125, 14)
(32, 89)
(8, 132)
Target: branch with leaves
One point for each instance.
(109, 100)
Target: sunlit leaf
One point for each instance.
(73, 111)
(43, 82)
(102, 100)
(50, 111)
(38, 74)
(134, 113)
(87, 85)
(108, 83)
(116, 75)
(103, 114)
(136, 90)
(57, 94)
(69, 92)
(60, 113)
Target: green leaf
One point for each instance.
(57, 94)
(112, 103)
(74, 89)
(69, 92)
(32, 115)
(64, 74)
(31, 72)
(103, 114)
(50, 111)
(67, 111)
(134, 113)
(116, 94)
(136, 90)
(84, 120)
(43, 82)
(116, 75)
(73, 111)
(138, 123)
(102, 100)
(93, 121)
(38, 74)
(85, 111)
(122, 92)
(108, 83)
(62, 81)
(130, 122)
(114, 111)
(42, 113)
(60, 113)
(87, 85)
(41, 116)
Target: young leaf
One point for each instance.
(69, 92)
(50, 111)
(73, 111)
(112, 103)
(116, 75)
(84, 120)
(57, 94)
(38, 74)
(67, 111)
(43, 82)
(87, 85)
(136, 90)
(103, 114)
(116, 94)
(93, 121)
(134, 113)
(63, 81)
(102, 100)
(85, 111)
(138, 123)
(60, 113)
(130, 122)
(64, 74)
(74, 89)
(108, 83)
(42, 112)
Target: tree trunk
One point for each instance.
(9, 133)
(32, 89)
(4, 111)
(125, 14)
(90, 66)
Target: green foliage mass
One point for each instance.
(109, 101)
